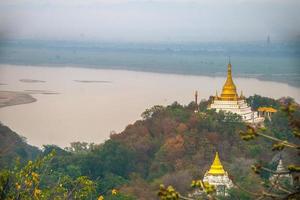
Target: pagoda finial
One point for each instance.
(242, 95)
(216, 167)
(229, 67)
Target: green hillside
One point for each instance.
(171, 145)
(14, 146)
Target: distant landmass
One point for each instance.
(276, 61)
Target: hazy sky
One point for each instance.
(150, 20)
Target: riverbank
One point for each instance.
(11, 98)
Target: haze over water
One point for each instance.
(93, 102)
(190, 38)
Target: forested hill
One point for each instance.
(13, 146)
(170, 145)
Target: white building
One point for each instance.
(281, 174)
(218, 177)
(230, 101)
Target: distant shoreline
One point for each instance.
(280, 78)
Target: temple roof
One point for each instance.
(216, 167)
(267, 109)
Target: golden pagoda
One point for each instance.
(229, 88)
(218, 177)
(216, 168)
(230, 101)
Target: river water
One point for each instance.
(90, 103)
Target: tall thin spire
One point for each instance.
(229, 68)
(196, 102)
(242, 94)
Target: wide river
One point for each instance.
(93, 102)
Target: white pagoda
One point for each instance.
(218, 177)
(281, 174)
(230, 101)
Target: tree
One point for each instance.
(148, 113)
(273, 189)
(26, 183)
(257, 101)
(116, 158)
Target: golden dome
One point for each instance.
(229, 88)
(216, 168)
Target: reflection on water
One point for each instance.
(104, 100)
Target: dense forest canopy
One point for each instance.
(170, 144)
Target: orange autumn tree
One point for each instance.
(272, 190)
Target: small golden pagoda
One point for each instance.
(218, 177)
(216, 168)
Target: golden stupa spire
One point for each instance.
(216, 167)
(229, 88)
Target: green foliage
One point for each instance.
(116, 158)
(294, 168)
(81, 147)
(109, 182)
(178, 112)
(119, 196)
(279, 126)
(169, 140)
(203, 106)
(161, 169)
(257, 101)
(203, 186)
(168, 193)
(249, 134)
(236, 194)
(255, 150)
(49, 148)
(155, 110)
(73, 170)
(28, 182)
(12, 146)
(279, 187)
